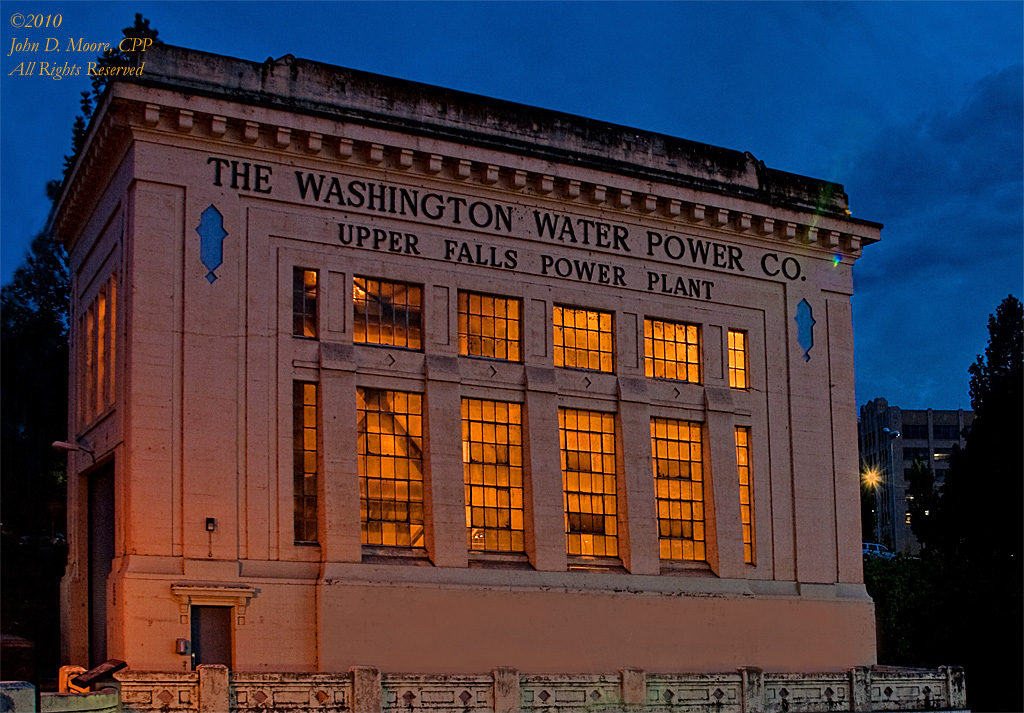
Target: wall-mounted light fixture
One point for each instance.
(211, 524)
(82, 445)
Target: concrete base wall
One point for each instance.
(448, 630)
(444, 621)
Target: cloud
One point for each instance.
(948, 186)
(967, 152)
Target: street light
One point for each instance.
(872, 478)
(891, 436)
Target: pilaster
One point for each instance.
(543, 492)
(444, 511)
(725, 547)
(340, 526)
(637, 522)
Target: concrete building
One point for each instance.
(891, 441)
(378, 378)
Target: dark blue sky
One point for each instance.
(915, 107)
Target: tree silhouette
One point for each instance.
(34, 364)
(33, 414)
(112, 57)
(979, 532)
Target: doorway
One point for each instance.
(211, 635)
(101, 555)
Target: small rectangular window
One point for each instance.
(305, 289)
(306, 453)
(583, 339)
(112, 352)
(746, 492)
(915, 432)
(492, 457)
(587, 440)
(101, 349)
(671, 350)
(738, 359)
(390, 461)
(679, 488)
(489, 326)
(387, 313)
(914, 453)
(92, 408)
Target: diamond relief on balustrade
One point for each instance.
(910, 691)
(693, 693)
(437, 693)
(159, 693)
(567, 694)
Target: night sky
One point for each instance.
(916, 108)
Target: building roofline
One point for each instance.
(357, 96)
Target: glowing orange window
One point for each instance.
(679, 488)
(738, 378)
(583, 339)
(492, 457)
(390, 455)
(671, 350)
(387, 313)
(746, 492)
(489, 326)
(588, 480)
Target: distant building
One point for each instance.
(891, 439)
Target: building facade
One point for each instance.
(892, 440)
(370, 373)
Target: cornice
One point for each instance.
(344, 143)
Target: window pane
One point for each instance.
(387, 313)
(304, 404)
(390, 455)
(587, 441)
(738, 359)
(493, 474)
(489, 326)
(305, 287)
(671, 350)
(583, 339)
(746, 492)
(675, 451)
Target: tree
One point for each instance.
(112, 57)
(980, 508)
(960, 603)
(33, 414)
(996, 379)
(923, 502)
(34, 398)
(978, 533)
